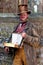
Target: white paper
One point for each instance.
(16, 38)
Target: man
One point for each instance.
(23, 55)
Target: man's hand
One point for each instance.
(23, 34)
(21, 45)
(6, 49)
(17, 46)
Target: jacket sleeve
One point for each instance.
(33, 39)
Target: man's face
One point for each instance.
(23, 16)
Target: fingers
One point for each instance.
(6, 49)
(21, 45)
(23, 34)
(16, 46)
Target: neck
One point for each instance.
(24, 21)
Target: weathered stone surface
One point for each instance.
(5, 59)
(9, 6)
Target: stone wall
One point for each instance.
(6, 28)
(8, 6)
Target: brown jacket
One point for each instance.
(31, 41)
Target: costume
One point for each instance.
(25, 55)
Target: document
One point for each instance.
(16, 38)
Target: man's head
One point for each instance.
(23, 12)
(23, 16)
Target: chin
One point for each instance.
(23, 19)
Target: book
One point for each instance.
(16, 40)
